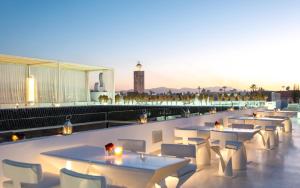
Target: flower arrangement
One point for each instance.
(109, 148)
(218, 125)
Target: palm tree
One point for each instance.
(199, 89)
(117, 98)
(288, 88)
(282, 87)
(253, 87)
(224, 89)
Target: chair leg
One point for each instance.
(287, 126)
(227, 169)
(225, 161)
(182, 179)
(163, 184)
(16, 184)
(203, 155)
(272, 139)
(239, 159)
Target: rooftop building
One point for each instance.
(39, 82)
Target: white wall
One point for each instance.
(29, 151)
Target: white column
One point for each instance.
(87, 81)
(113, 87)
(58, 98)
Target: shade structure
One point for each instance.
(30, 80)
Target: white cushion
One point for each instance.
(233, 145)
(196, 141)
(189, 168)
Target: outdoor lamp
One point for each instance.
(67, 128)
(14, 138)
(143, 118)
(30, 89)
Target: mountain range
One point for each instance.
(181, 90)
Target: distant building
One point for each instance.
(139, 79)
(276, 97)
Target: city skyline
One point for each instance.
(180, 44)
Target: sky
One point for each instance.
(181, 43)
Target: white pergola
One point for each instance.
(30, 80)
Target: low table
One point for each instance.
(130, 169)
(264, 121)
(243, 134)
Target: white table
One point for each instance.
(130, 169)
(264, 121)
(278, 113)
(243, 134)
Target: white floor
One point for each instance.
(278, 168)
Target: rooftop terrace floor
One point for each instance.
(276, 168)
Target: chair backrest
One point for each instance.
(133, 145)
(20, 172)
(235, 121)
(243, 126)
(73, 179)
(209, 124)
(185, 133)
(179, 150)
(222, 137)
(225, 121)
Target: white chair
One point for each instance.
(133, 145)
(26, 175)
(271, 136)
(181, 151)
(225, 121)
(209, 124)
(71, 179)
(244, 137)
(191, 137)
(231, 152)
(242, 126)
(182, 136)
(287, 126)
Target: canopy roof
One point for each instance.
(49, 63)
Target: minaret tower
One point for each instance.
(139, 79)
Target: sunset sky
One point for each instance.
(181, 43)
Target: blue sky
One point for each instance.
(181, 43)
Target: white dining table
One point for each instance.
(240, 159)
(261, 121)
(277, 113)
(129, 170)
(243, 134)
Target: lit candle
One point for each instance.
(118, 151)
